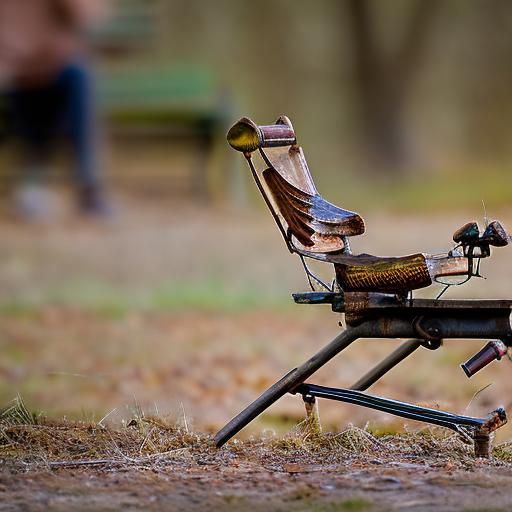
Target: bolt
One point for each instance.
(433, 331)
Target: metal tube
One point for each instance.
(475, 324)
(495, 349)
(403, 409)
(378, 371)
(287, 383)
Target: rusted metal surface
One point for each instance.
(443, 324)
(359, 305)
(290, 163)
(449, 326)
(483, 447)
(423, 317)
(494, 421)
(456, 304)
(419, 317)
(446, 266)
(482, 435)
(315, 228)
(373, 292)
(307, 215)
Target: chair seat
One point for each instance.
(315, 228)
(372, 273)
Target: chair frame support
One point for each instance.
(375, 294)
(426, 322)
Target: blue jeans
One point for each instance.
(64, 106)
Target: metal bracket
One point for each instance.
(428, 329)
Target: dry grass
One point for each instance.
(151, 462)
(34, 438)
(147, 440)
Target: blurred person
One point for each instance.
(45, 73)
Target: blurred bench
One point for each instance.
(145, 99)
(178, 104)
(147, 103)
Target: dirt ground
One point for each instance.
(238, 484)
(154, 466)
(187, 315)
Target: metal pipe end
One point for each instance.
(494, 350)
(466, 370)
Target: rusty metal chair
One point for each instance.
(375, 293)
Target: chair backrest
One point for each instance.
(308, 222)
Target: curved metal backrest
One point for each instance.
(316, 224)
(290, 163)
(308, 222)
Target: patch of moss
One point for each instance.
(353, 505)
(503, 452)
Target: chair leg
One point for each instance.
(378, 371)
(312, 414)
(290, 381)
(482, 443)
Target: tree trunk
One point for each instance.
(382, 82)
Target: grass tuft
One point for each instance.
(503, 452)
(32, 438)
(307, 436)
(16, 413)
(149, 440)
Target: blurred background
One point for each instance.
(139, 267)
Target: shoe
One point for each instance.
(34, 202)
(92, 202)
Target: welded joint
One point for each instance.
(495, 420)
(482, 434)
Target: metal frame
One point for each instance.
(427, 322)
(377, 302)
